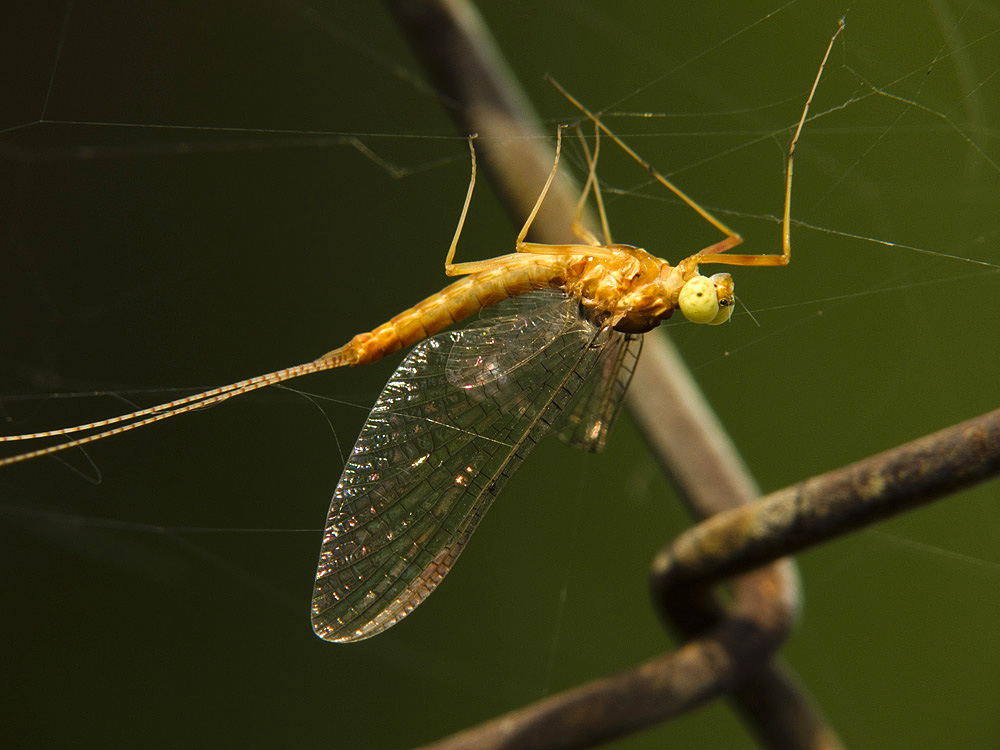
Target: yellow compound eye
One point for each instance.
(699, 301)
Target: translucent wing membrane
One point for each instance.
(452, 424)
(508, 336)
(587, 422)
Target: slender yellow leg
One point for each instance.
(592, 183)
(712, 255)
(593, 251)
(470, 267)
(649, 167)
(477, 266)
(545, 190)
(460, 269)
(715, 253)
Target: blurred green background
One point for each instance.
(180, 210)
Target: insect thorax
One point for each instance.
(623, 287)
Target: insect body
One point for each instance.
(465, 408)
(554, 348)
(621, 286)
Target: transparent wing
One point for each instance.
(517, 333)
(587, 422)
(434, 453)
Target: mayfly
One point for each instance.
(554, 349)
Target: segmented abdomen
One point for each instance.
(513, 275)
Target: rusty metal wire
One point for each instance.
(829, 505)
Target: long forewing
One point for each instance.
(591, 415)
(434, 453)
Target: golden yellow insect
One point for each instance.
(555, 350)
